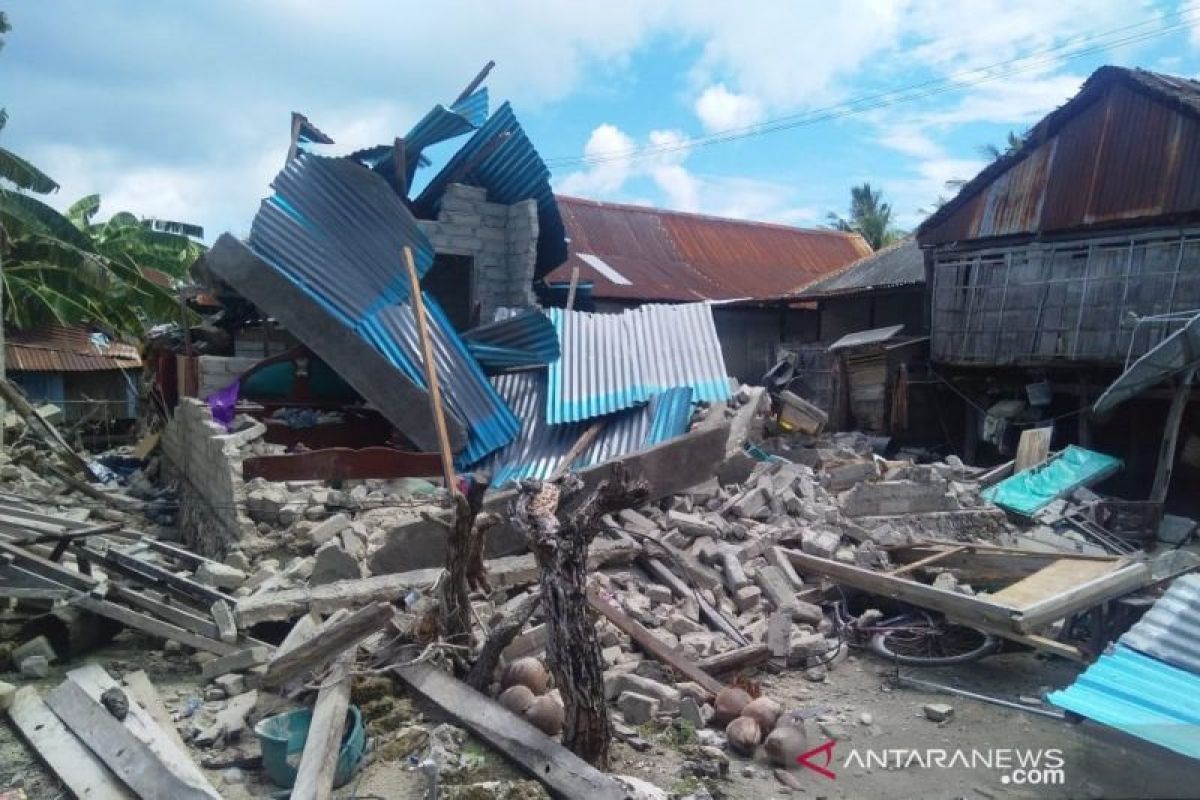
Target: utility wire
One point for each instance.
(930, 88)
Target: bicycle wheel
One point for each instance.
(928, 643)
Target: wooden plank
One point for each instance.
(84, 775)
(240, 661)
(927, 560)
(318, 762)
(138, 687)
(503, 573)
(222, 614)
(431, 375)
(1052, 580)
(563, 773)
(175, 614)
(153, 627)
(1033, 448)
(651, 643)
(135, 749)
(328, 643)
(960, 606)
(1105, 587)
(742, 658)
(1166, 451)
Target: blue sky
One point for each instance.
(181, 109)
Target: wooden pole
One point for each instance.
(323, 747)
(571, 289)
(1166, 453)
(474, 84)
(431, 376)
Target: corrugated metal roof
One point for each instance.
(899, 264)
(474, 107)
(337, 231)
(673, 255)
(57, 348)
(1126, 147)
(540, 447)
(611, 362)
(1170, 631)
(1141, 696)
(864, 338)
(502, 159)
(527, 339)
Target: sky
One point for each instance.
(181, 110)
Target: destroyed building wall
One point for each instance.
(500, 240)
(211, 517)
(214, 373)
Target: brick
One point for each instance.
(637, 709)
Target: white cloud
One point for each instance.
(610, 143)
(720, 109)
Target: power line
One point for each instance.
(919, 91)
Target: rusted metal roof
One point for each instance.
(899, 264)
(1125, 148)
(56, 348)
(640, 253)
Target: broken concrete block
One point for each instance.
(945, 581)
(681, 625)
(692, 525)
(34, 666)
(7, 692)
(746, 598)
(231, 683)
(804, 646)
(691, 712)
(37, 646)
(749, 503)
(820, 543)
(659, 594)
(779, 559)
(667, 696)
(637, 709)
(779, 634)
(263, 504)
(843, 476)
(329, 529)
(844, 555)
(220, 575)
(938, 712)
(892, 498)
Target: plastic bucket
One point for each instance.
(282, 738)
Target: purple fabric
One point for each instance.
(221, 403)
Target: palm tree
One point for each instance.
(1011, 143)
(869, 216)
(67, 269)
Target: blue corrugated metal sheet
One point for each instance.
(1141, 696)
(671, 415)
(474, 107)
(524, 340)
(1170, 631)
(540, 447)
(501, 159)
(612, 362)
(337, 231)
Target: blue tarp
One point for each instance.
(1029, 491)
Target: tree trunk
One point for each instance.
(559, 534)
(480, 675)
(455, 591)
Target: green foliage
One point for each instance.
(869, 217)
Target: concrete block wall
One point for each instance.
(216, 372)
(202, 457)
(500, 239)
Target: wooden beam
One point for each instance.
(431, 375)
(563, 773)
(326, 644)
(927, 560)
(751, 655)
(1166, 452)
(323, 745)
(651, 643)
(84, 775)
(479, 78)
(581, 444)
(138, 687)
(1086, 595)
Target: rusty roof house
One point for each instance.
(84, 372)
(1068, 259)
(627, 255)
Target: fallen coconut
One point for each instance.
(729, 704)
(785, 744)
(547, 715)
(527, 672)
(517, 699)
(743, 735)
(764, 711)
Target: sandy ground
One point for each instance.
(1098, 762)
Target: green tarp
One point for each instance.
(1027, 492)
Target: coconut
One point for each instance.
(785, 744)
(527, 672)
(517, 699)
(743, 735)
(546, 714)
(729, 704)
(764, 711)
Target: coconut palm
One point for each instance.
(869, 216)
